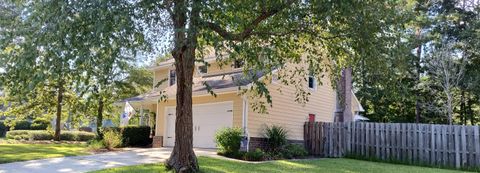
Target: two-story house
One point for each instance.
(230, 108)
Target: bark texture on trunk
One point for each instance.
(100, 117)
(418, 109)
(59, 112)
(463, 115)
(449, 108)
(470, 111)
(183, 157)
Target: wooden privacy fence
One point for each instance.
(427, 144)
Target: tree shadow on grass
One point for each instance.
(24, 152)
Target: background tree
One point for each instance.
(40, 53)
(385, 84)
(63, 44)
(446, 67)
(108, 48)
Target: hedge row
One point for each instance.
(37, 124)
(45, 135)
(134, 135)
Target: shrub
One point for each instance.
(95, 145)
(76, 136)
(85, 136)
(85, 129)
(276, 138)
(46, 135)
(235, 155)
(21, 137)
(112, 139)
(40, 135)
(133, 135)
(294, 151)
(68, 136)
(228, 140)
(22, 125)
(257, 155)
(40, 124)
(17, 134)
(136, 136)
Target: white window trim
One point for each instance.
(201, 73)
(275, 78)
(235, 68)
(314, 83)
(169, 77)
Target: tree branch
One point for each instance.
(250, 27)
(268, 33)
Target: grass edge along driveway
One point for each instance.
(23, 152)
(214, 165)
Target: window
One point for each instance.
(312, 84)
(311, 117)
(203, 69)
(172, 78)
(238, 63)
(275, 77)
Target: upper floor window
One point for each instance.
(172, 77)
(312, 83)
(203, 69)
(238, 63)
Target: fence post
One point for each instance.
(476, 141)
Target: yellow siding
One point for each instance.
(215, 68)
(160, 75)
(237, 108)
(290, 114)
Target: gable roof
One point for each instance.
(169, 62)
(218, 83)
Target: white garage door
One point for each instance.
(207, 119)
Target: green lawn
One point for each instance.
(23, 152)
(320, 165)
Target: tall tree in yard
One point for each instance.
(265, 35)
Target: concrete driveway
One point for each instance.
(130, 156)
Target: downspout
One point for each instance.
(245, 120)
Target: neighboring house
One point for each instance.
(230, 109)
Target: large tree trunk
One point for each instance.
(418, 109)
(463, 115)
(449, 108)
(183, 157)
(59, 111)
(470, 110)
(100, 117)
